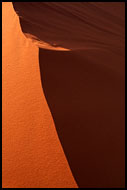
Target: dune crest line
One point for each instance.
(85, 86)
(32, 156)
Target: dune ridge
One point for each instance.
(75, 25)
(83, 82)
(32, 156)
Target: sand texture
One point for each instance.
(63, 94)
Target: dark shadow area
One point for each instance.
(85, 93)
(84, 89)
(74, 25)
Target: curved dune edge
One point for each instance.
(84, 89)
(73, 25)
(32, 156)
(103, 105)
(44, 45)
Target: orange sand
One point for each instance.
(32, 154)
(83, 83)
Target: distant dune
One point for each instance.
(84, 85)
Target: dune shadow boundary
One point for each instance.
(86, 99)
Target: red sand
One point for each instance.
(84, 89)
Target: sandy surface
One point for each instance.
(32, 154)
(83, 83)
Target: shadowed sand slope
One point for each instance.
(84, 88)
(74, 25)
(86, 97)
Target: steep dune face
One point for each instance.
(84, 89)
(86, 97)
(32, 156)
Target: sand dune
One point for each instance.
(32, 156)
(83, 83)
(74, 25)
(86, 98)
